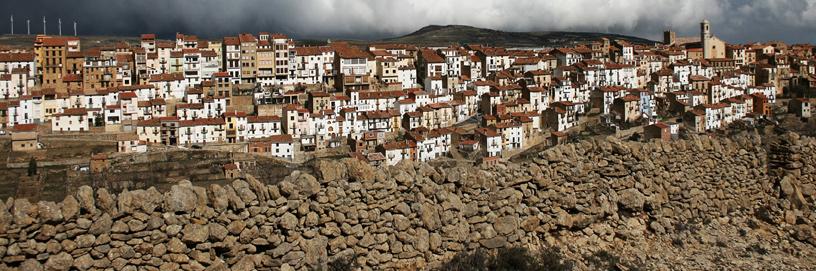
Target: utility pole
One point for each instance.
(75, 29)
(44, 29)
(12, 24)
(28, 26)
(59, 22)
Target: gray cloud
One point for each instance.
(733, 20)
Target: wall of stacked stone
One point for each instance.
(412, 215)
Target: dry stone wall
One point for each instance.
(413, 215)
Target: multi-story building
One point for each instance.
(51, 53)
(249, 58)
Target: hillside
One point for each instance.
(26, 41)
(436, 35)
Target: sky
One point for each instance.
(735, 21)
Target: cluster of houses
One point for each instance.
(391, 102)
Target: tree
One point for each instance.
(32, 167)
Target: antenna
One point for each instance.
(74, 28)
(59, 22)
(28, 26)
(12, 24)
(44, 32)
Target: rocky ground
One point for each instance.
(744, 203)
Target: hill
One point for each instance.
(26, 41)
(437, 35)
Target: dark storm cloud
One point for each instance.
(733, 20)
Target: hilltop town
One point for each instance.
(257, 152)
(384, 103)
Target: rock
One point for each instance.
(631, 199)
(246, 263)
(495, 242)
(70, 207)
(805, 233)
(217, 231)
(84, 262)
(218, 197)
(403, 208)
(85, 197)
(176, 246)
(315, 250)
(422, 242)
(657, 227)
(24, 213)
(243, 191)
(195, 233)
(62, 261)
(307, 185)
(218, 266)
(358, 170)
(136, 226)
(85, 240)
(505, 225)
(180, 198)
(282, 249)
(429, 215)
(329, 170)
(287, 188)
(288, 221)
(401, 222)
(235, 202)
(158, 250)
(101, 225)
(49, 211)
(435, 241)
(236, 227)
(105, 200)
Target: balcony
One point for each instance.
(355, 80)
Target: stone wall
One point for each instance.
(413, 216)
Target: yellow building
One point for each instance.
(52, 57)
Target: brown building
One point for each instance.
(658, 130)
(51, 57)
(24, 137)
(98, 71)
(319, 101)
(249, 58)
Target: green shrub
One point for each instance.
(507, 259)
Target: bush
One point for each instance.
(508, 259)
(603, 260)
(32, 166)
(348, 263)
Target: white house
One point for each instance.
(72, 120)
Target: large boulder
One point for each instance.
(24, 212)
(330, 170)
(307, 185)
(358, 170)
(106, 201)
(70, 207)
(85, 196)
(243, 191)
(218, 197)
(180, 198)
(49, 211)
